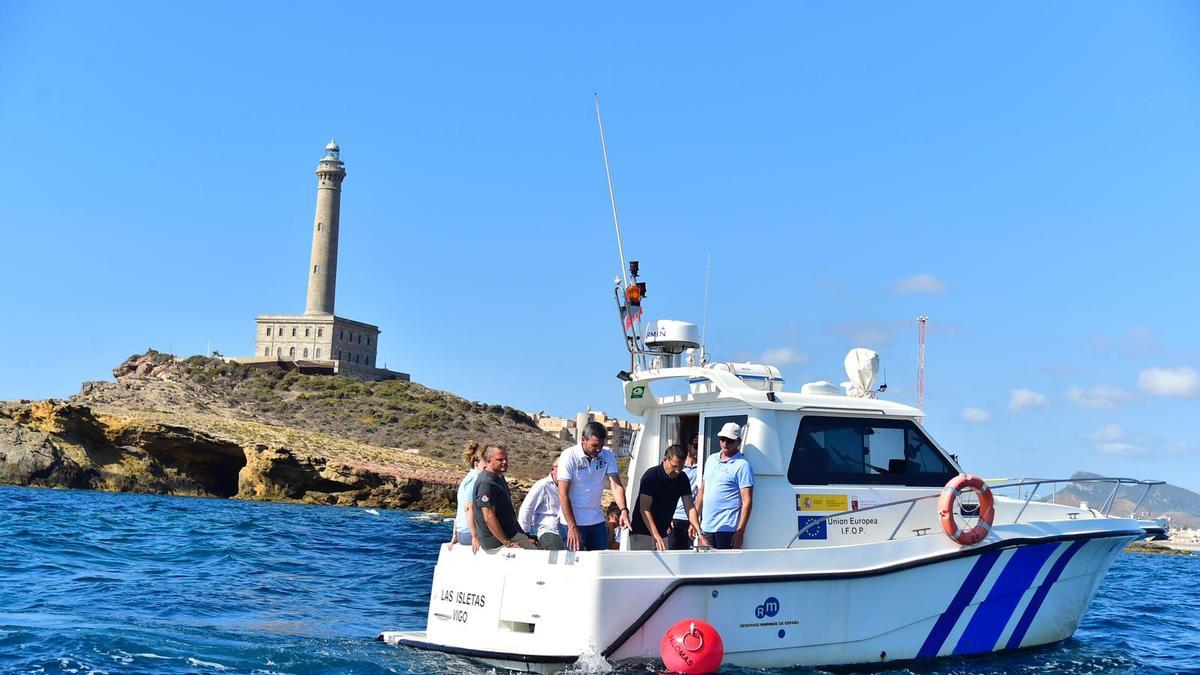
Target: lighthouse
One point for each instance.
(318, 342)
(322, 275)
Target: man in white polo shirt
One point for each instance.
(582, 469)
(726, 490)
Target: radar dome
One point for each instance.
(672, 337)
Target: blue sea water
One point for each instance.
(117, 583)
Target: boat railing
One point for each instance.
(1035, 483)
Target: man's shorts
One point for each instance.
(678, 539)
(521, 540)
(593, 537)
(641, 542)
(551, 541)
(720, 539)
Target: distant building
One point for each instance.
(620, 432)
(318, 341)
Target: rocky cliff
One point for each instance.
(205, 427)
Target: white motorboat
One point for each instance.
(846, 559)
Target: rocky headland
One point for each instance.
(206, 427)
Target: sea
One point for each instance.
(96, 582)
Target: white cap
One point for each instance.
(731, 430)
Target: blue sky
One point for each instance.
(1026, 176)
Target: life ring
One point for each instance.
(947, 506)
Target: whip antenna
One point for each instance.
(612, 197)
(704, 322)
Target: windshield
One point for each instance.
(832, 450)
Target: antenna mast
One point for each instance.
(704, 323)
(612, 197)
(921, 321)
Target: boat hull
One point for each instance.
(780, 608)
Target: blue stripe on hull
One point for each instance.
(945, 623)
(1039, 596)
(993, 613)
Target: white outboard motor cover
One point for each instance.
(672, 337)
(862, 367)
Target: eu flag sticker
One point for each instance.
(817, 531)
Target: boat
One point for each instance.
(868, 542)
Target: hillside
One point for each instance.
(202, 426)
(1182, 506)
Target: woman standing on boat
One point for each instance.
(464, 523)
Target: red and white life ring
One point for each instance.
(947, 505)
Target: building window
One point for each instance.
(339, 355)
(307, 331)
(266, 351)
(320, 332)
(341, 335)
(368, 340)
(314, 269)
(306, 352)
(356, 358)
(279, 351)
(318, 352)
(318, 227)
(292, 352)
(268, 331)
(293, 331)
(360, 338)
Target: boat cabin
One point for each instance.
(816, 452)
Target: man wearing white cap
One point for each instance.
(726, 490)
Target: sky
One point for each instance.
(1025, 175)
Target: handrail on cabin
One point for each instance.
(1109, 502)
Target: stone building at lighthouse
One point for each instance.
(319, 341)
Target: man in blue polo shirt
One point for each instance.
(726, 490)
(582, 470)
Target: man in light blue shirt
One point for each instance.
(726, 491)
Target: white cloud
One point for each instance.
(1181, 381)
(1120, 448)
(1099, 397)
(782, 356)
(1108, 432)
(977, 415)
(1024, 399)
(1112, 440)
(919, 284)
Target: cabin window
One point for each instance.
(712, 426)
(836, 450)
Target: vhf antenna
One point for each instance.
(704, 322)
(634, 319)
(612, 196)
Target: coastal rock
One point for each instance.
(209, 427)
(55, 444)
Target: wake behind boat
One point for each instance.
(867, 543)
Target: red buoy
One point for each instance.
(692, 646)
